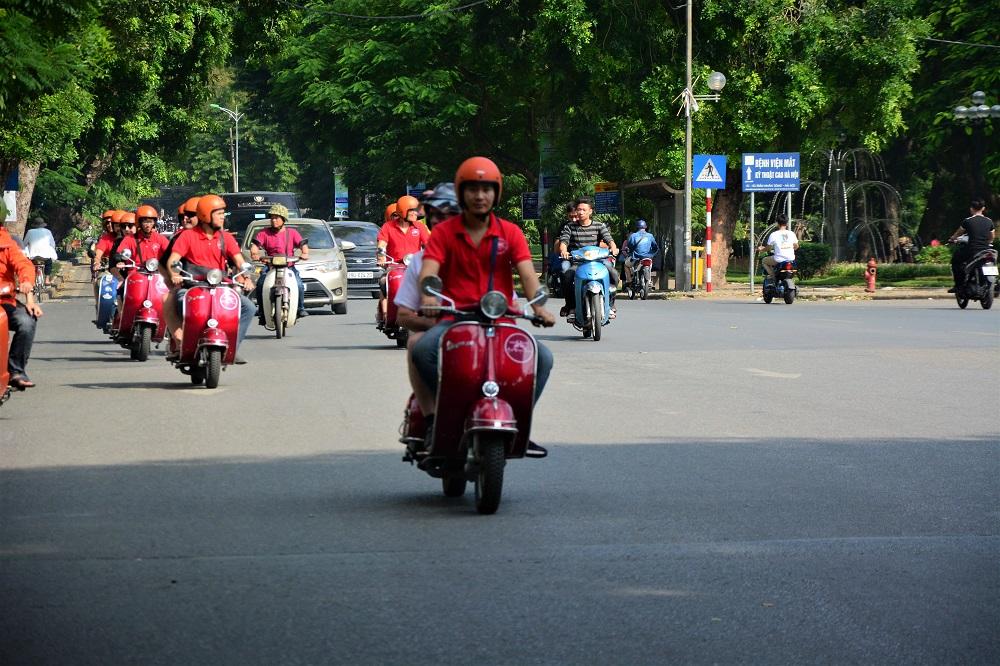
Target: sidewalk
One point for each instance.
(858, 293)
(76, 283)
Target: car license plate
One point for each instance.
(990, 270)
(360, 275)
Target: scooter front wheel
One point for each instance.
(213, 368)
(142, 345)
(596, 314)
(279, 320)
(489, 480)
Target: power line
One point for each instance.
(395, 17)
(949, 41)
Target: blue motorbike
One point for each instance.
(592, 286)
(105, 291)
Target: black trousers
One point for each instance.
(958, 261)
(23, 326)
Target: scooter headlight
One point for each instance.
(591, 255)
(214, 277)
(406, 259)
(493, 304)
(212, 323)
(152, 265)
(491, 389)
(147, 304)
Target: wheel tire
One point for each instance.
(645, 285)
(489, 481)
(197, 376)
(789, 296)
(962, 302)
(39, 291)
(768, 296)
(596, 315)
(213, 369)
(279, 320)
(453, 485)
(339, 308)
(145, 342)
(987, 300)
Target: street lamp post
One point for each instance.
(235, 117)
(977, 114)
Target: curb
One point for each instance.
(808, 294)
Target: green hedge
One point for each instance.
(812, 258)
(940, 254)
(888, 271)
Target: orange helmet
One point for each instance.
(107, 215)
(116, 216)
(127, 218)
(405, 204)
(390, 210)
(207, 205)
(146, 210)
(191, 205)
(478, 170)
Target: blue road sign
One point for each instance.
(770, 172)
(529, 206)
(709, 172)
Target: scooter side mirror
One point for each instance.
(347, 246)
(432, 285)
(177, 265)
(541, 297)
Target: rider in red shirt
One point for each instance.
(400, 235)
(461, 252)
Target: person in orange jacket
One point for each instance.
(16, 270)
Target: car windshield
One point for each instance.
(317, 236)
(360, 235)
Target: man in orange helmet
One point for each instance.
(469, 251)
(202, 249)
(107, 240)
(21, 317)
(399, 236)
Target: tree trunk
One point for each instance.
(725, 213)
(95, 168)
(27, 175)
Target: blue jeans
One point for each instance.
(259, 291)
(247, 312)
(425, 358)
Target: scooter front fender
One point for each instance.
(213, 337)
(492, 415)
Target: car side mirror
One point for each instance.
(347, 246)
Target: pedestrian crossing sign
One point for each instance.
(709, 172)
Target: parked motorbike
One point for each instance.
(4, 349)
(642, 278)
(279, 295)
(980, 278)
(485, 399)
(394, 272)
(592, 285)
(140, 323)
(782, 284)
(211, 326)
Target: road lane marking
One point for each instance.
(772, 374)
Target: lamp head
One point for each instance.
(716, 81)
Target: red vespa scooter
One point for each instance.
(395, 270)
(141, 322)
(485, 399)
(210, 325)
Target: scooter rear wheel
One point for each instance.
(489, 481)
(987, 300)
(789, 296)
(197, 375)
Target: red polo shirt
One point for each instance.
(105, 243)
(143, 249)
(400, 243)
(465, 268)
(197, 248)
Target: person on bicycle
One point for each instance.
(279, 240)
(39, 244)
(640, 245)
(22, 318)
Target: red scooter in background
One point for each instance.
(211, 326)
(140, 318)
(4, 348)
(394, 272)
(485, 398)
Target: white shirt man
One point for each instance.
(783, 243)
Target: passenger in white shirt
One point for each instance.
(783, 243)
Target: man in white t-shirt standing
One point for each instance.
(784, 244)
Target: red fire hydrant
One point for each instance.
(870, 274)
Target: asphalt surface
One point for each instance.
(729, 482)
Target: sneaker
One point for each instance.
(613, 314)
(239, 360)
(535, 451)
(302, 314)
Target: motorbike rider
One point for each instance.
(466, 251)
(980, 231)
(187, 218)
(640, 245)
(39, 242)
(126, 241)
(279, 240)
(585, 231)
(112, 232)
(22, 318)
(401, 235)
(201, 249)
(784, 243)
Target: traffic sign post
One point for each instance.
(708, 172)
(607, 198)
(529, 206)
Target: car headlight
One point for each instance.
(326, 266)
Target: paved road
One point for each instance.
(729, 482)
